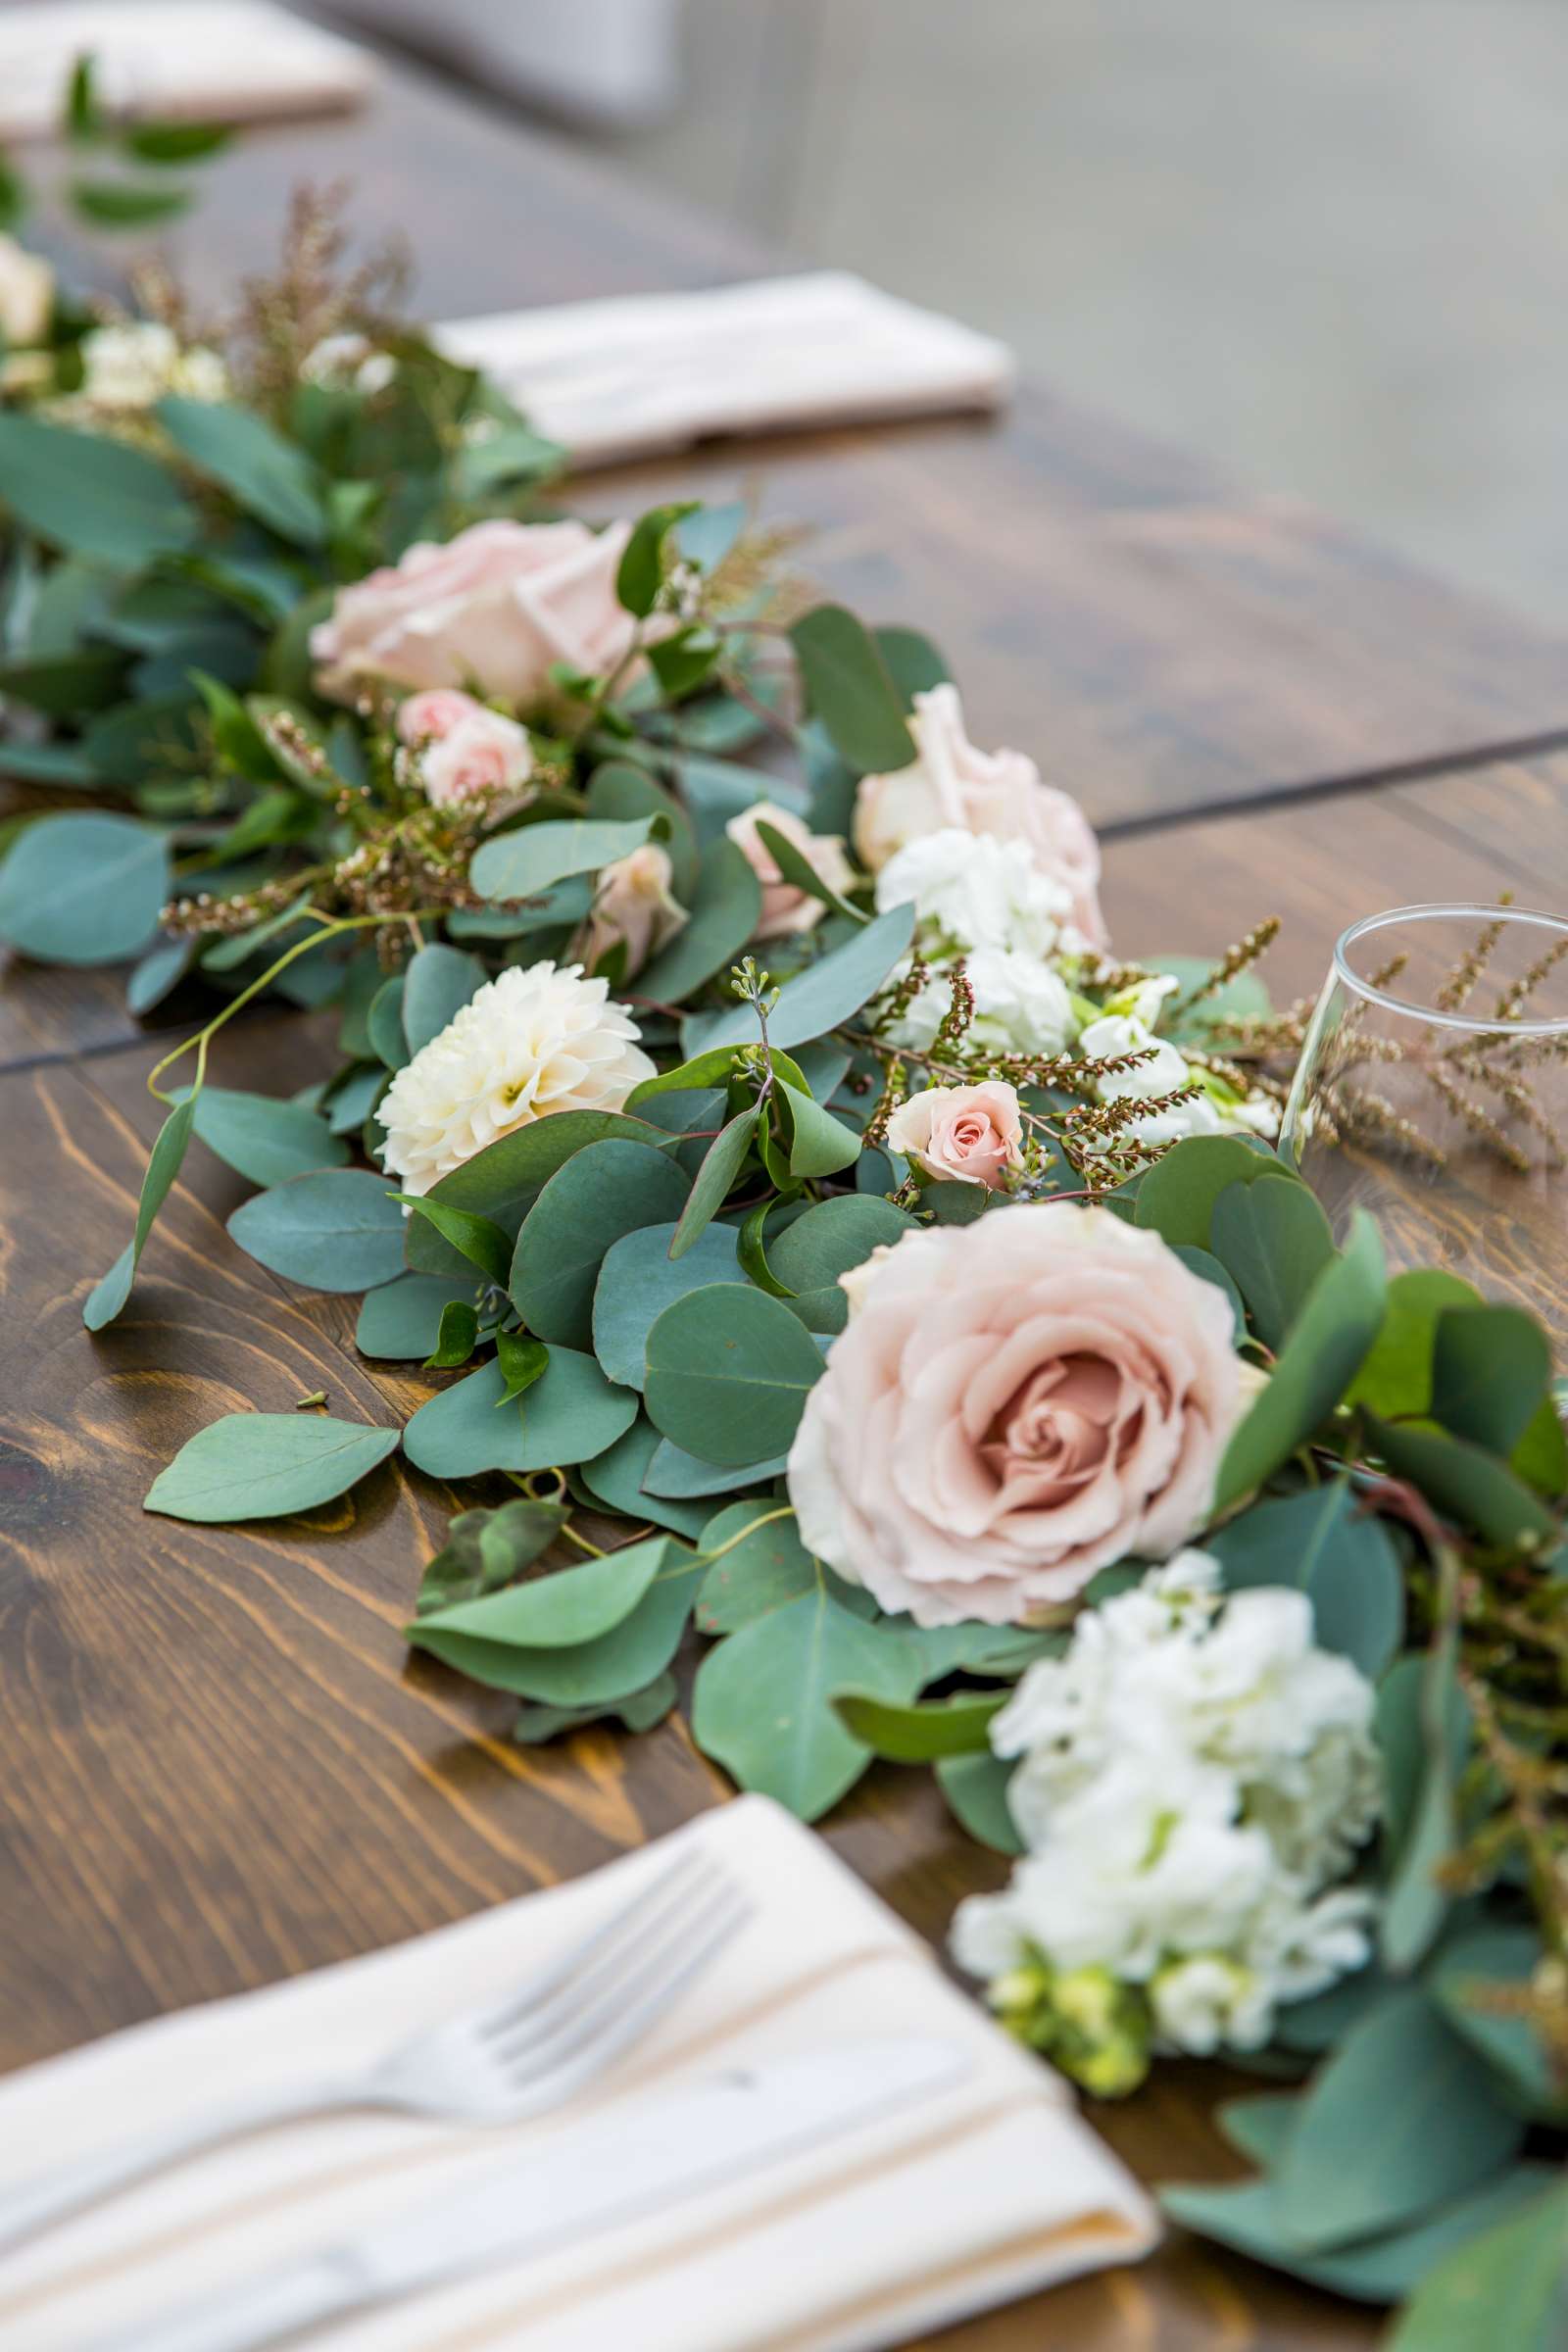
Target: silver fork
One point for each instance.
(552, 2034)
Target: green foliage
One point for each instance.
(759, 1565)
(267, 1466)
(1274, 1241)
(89, 495)
(629, 1656)
(637, 1279)
(607, 1191)
(403, 1318)
(1507, 2285)
(487, 1549)
(507, 1173)
(106, 1297)
(716, 1178)
(269, 477)
(1344, 1559)
(919, 1735)
(339, 1231)
(849, 689)
(724, 912)
(976, 1789)
(569, 1415)
(641, 573)
(728, 1372)
(824, 994)
(1177, 1195)
(83, 889)
(264, 1139)
(438, 983)
(525, 863)
(1329, 1338)
(762, 1705)
(1401, 2119)
(485, 1244)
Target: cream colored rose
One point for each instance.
(952, 783)
(785, 907)
(26, 293)
(961, 1134)
(466, 750)
(634, 906)
(1014, 1405)
(492, 609)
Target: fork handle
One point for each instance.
(259, 2311)
(71, 2186)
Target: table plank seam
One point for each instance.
(1324, 788)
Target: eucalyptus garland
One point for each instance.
(858, 1294)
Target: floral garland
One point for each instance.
(842, 1251)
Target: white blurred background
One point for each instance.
(1326, 240)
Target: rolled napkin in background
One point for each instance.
(647, 373)
(983, 2192)
(211, 60)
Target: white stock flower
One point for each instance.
(1195, 1772)
(1117, 1033)
(1210, 1999)
(534, 1041)
(971, 891)
(134, 364)
(1208, 1107)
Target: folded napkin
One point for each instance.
(980, 2193)
(657, 372)
(211, 60)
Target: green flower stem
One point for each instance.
(330, 924)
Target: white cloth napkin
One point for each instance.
(657, 372)
(984, 2191)
(211, 60)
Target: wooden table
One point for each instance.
(217, 1763)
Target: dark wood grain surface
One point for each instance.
(218, 1764)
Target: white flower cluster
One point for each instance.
(1195, 1775)
(987, 901)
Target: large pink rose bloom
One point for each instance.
(954, 783)
(1014, 1405)
(491, 609)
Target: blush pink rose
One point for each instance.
(634, 906)
(953, 783)
(961, 1134)
(1014, 1405)
(491, 609)
(786, 907)
(466, 751)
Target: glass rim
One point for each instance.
(1436, 913)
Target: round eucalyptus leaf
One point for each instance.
(265, 1466)
(568, 1415)
(403, 1318)
(762, 1704)
(84, 889)
(265, 1139)
(605, 1192)
(639, 1279)
(339, 1231)
(729, 1371)
(556, 1611)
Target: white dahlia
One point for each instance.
(534, 1041)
